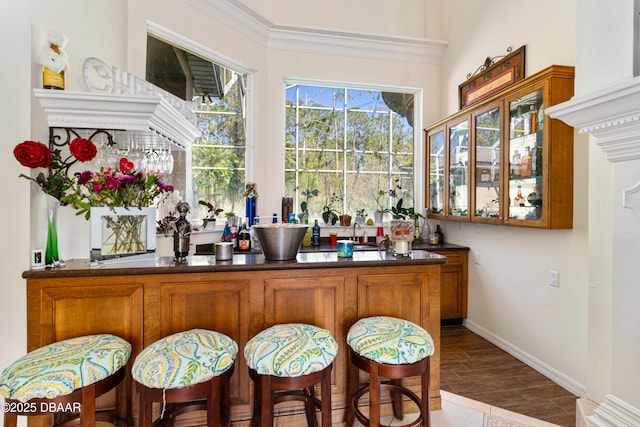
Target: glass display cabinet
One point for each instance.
(436, 172)
(458, 170)
(507, 163)
(487, 140)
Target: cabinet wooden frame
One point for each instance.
(556, 212)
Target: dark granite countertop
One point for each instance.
(240, 262)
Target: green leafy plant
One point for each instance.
(212, 211)
(307, 194)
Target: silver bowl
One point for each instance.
(280, 242)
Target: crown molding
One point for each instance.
(314, 40)
(611, 114)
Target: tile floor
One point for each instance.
(458, 411)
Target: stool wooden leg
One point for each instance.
(352, 386)
(325, 395)
(425, 399)
(396, 398)
(374, 396)
(309, 407)
(88, 413)
(122, 406)
(10, 420)
(266, 402)
(144, 408)
(213, 403)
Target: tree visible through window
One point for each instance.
(349, 144)
(219, 155)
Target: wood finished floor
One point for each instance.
(475, 368)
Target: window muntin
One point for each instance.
(348, 144)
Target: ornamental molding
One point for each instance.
(246, 21)
(150, 116)
(615, 412)
(610, 114)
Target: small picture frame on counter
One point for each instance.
(37, 259)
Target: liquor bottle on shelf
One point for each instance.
(540, 116)
(519, 200)
(515, 164)
(533, 117)
(525, 164)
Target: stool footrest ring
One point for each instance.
(364, 420)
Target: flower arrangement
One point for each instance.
(116, 188)
(56, 182)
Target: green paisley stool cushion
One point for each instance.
(290, 350)
(60, 368)
(185, 358)
(390, 340)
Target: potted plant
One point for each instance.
(212, 212)
(361, 216)
(330, 215)
(232, 219)
(304, 205)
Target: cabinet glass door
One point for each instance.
(526, 123)
(459, 170)
(436, 173)
(487, 130)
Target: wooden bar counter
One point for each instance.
(144, 301)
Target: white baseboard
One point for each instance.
(546, 370)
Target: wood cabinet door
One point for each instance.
(219, 305)
(412, 296)
(73, 309)
(317, 301)
(454, 285)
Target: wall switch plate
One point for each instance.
(476, 257)
(554, 279)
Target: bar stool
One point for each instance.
(286, 362)
(65, 378)
(181, 368)
(387, 347)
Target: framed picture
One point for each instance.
(492, 78)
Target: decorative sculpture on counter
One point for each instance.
(250, 204)
(181, 232)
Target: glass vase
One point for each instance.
(51, 257)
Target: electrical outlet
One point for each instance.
(554, 279)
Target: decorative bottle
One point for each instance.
(315, 234)
(244, 239)
(306, 240)
(54, 61)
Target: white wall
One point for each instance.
(16, 127)
(510, 300)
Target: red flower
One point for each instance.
(32, 154)
(83, 149)
(126, 165)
